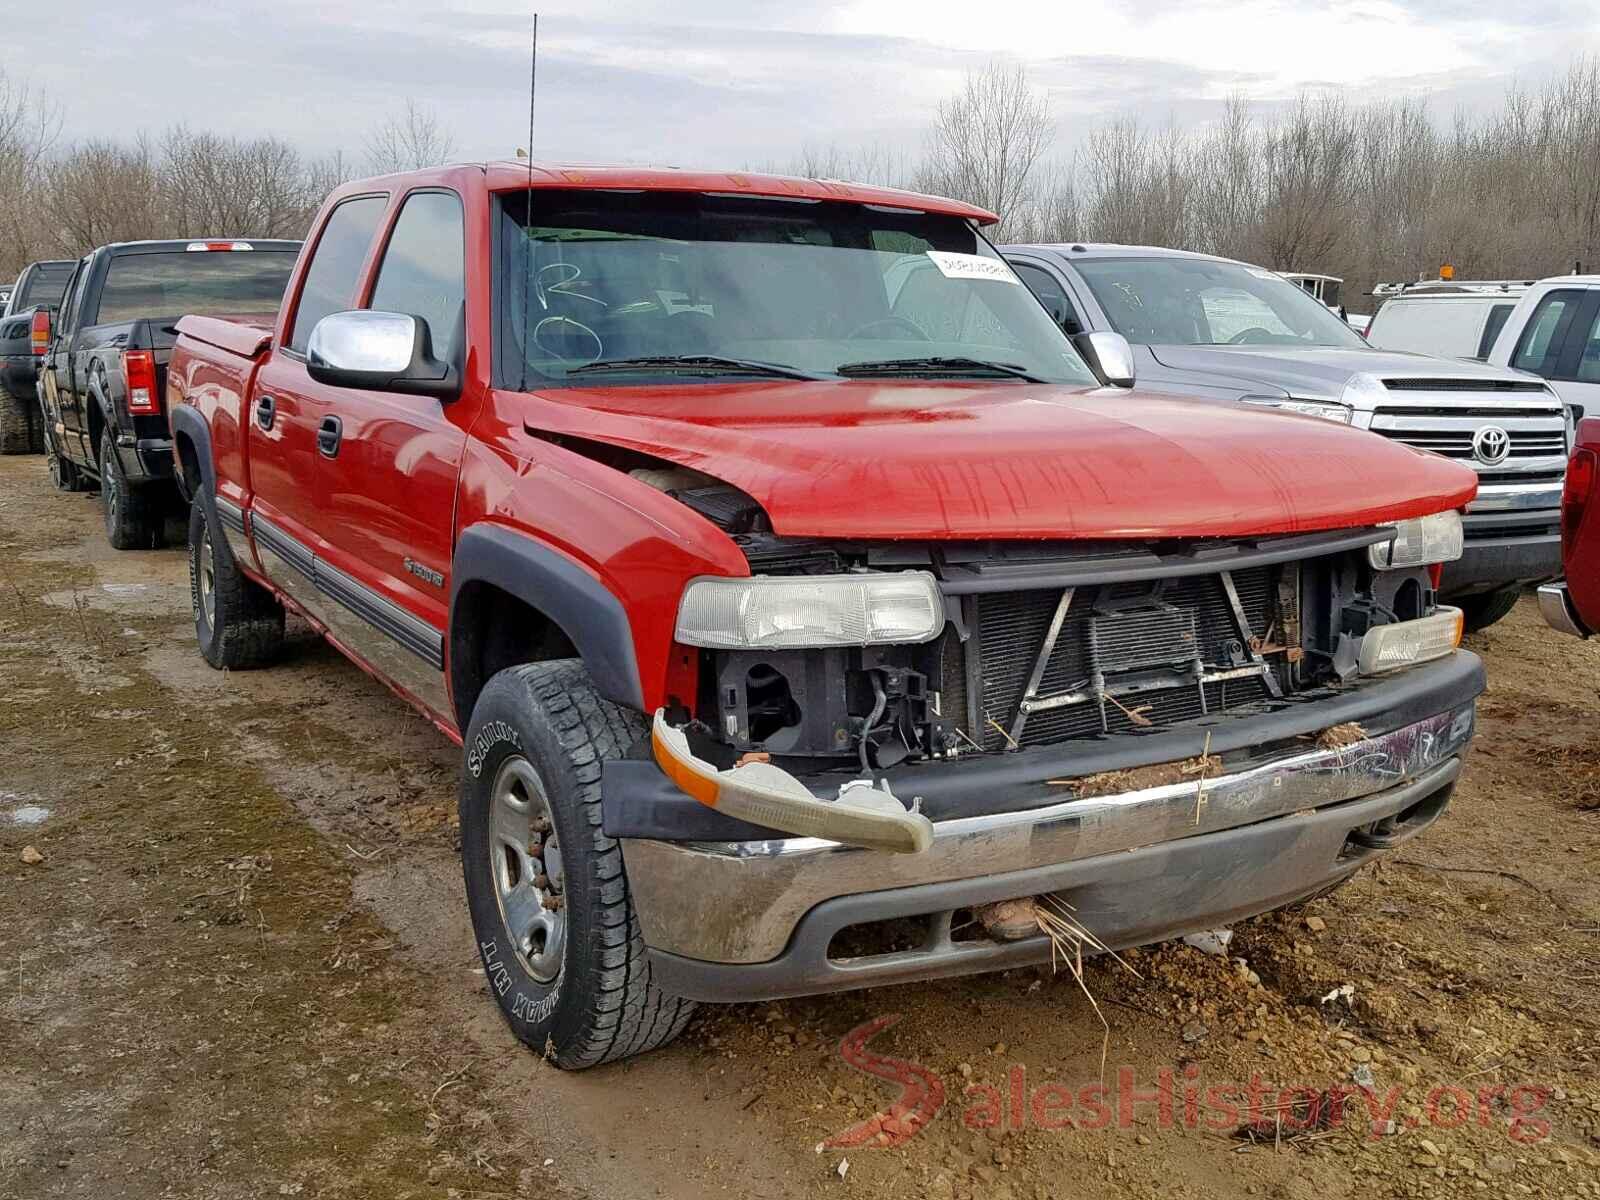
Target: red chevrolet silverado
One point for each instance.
(797, 590)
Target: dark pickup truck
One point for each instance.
(37, 289)
(104, 373)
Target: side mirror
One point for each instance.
(380, 351)
(39, 332)
(1109, 355)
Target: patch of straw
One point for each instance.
(1068, 937)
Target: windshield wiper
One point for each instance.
(694, 364)
(939, 365)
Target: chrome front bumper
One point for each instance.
(1555, 602)
(739, 904)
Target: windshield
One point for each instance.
(616, 288)
(1200, 302)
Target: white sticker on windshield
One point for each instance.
(972, 266)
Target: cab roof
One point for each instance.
(514, 175)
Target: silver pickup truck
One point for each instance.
(1212, 327)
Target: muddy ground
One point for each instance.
(242, 968)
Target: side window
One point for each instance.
(1051, 294)
(72, 302)
(1546, 333)
(330, 282)
(1492, 328)
(1588, 368)
(424, 267)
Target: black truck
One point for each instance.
(103, 378)
(38, 287)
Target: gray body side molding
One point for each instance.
(592, 618)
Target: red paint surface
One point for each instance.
(878, 460)
(1581, 544)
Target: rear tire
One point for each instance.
(16, 425)
(131, 523)
(1481, 611)
(237, 622)
(564, 958)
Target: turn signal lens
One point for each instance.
(1406, 643)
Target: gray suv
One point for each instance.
(1224, 330)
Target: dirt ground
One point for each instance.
(242, 968)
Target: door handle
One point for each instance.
(266, 410)
(328, 435)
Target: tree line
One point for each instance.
(1372, 191)
(60, 201)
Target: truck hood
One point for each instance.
(1316, 372)
(867, 459)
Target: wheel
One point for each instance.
(238, 623)
(131, 524)
(1481, 611)
(16, 434)
(547, 890)
(63, 473)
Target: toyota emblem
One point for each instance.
(1491, 445)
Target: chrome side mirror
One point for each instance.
(380, 351)
(1109, 355)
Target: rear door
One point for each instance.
(389, 464)
(286, 408)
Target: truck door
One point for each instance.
(285, 409)
(55, 374)
(389, 463)
(1561, 342)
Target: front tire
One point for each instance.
(1481, 611)
(547, 889)
(130, 522)
(237, 622)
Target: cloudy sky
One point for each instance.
(748, 82)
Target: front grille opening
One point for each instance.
(771, 704)
(1408, 601)
(1165, 634)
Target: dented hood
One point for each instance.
(867, 459)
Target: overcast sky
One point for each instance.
(747, 82)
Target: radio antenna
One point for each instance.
(527, 247)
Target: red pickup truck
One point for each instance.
(796, 588)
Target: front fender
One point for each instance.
(563, 590)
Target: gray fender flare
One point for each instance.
(579, 604)
(187, 421)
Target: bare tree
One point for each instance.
(410, 140)
(987, 142)
(103, 192)
(215, 185)
(29, 126)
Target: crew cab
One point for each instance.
(791, 582)
(1207, 326)
(105, 361)
(23, 316)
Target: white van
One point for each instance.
(1447, 320)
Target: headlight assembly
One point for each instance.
(1420, 542)
(1326, 409)
(788, 612)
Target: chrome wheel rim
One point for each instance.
(525, 861)
(207, 573)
